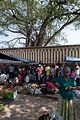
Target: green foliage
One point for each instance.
(35, 19)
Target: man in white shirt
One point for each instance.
(77, 70)
(3, 78)
(11, 69)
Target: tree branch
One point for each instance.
(66, 24)
(12, 30)
(18, 31)
(13, 40)
(7, 42)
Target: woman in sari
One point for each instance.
(66, 85)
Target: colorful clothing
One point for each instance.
(47, 69)
(50, 86)
(65, 100)
(66, 94)
(66, 108)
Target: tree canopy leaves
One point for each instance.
(38, 21)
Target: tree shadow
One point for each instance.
(26, 107)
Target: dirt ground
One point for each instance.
(26, 107)
(77, 109)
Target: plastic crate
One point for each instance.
(10, 94)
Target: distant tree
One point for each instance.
(37, 21)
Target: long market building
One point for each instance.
(48, 54)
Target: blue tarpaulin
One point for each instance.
(15, 58)
(71, 59)
(21, 59)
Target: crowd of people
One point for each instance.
(35, 73)
(39, 73)
(65, 79)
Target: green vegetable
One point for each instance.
(1, 107)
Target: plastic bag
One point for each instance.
(51, 116)
(77, 94)
(55, 116)
(38, 91)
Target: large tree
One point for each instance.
(38, 21)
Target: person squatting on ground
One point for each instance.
(66, 84)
